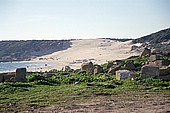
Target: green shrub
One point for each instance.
(35, 77)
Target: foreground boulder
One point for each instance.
(20, 75)
(124, 74)
(148, 71)
(88, 67)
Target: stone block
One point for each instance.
(123, 74)
(148, 71)
(20, 75)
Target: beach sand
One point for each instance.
(98, 51)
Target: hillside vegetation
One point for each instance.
(155, 38)
(26, 49)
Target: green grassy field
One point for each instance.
(66, 88)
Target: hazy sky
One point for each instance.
(65, 19)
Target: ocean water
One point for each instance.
(10, 66)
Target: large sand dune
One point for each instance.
(98, 51)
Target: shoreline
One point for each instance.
(98, 51)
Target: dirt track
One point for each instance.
(129, 102)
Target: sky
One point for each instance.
(76, 19)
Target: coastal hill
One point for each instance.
(155, 38)
(18, 50)
(159, 41)
(27, 49)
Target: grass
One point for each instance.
(66, 88)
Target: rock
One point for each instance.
(161, 63)
(113, 70)
(48, 74)
(98, 69)
(148, 71)
(152, 64)
(119, 62)
(166, 78)
(129, 66)
(66, 68)
(110, 64)
(134, 47)
(164, 71)
(2, 77)
(77, 70)
(114, 63)
(20, 75)
(53, 71)
(153, 58)
(123, 74)
(9, 77)
(88, 67)
(146, 52)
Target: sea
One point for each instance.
(11, 66)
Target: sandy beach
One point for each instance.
(98, 51)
